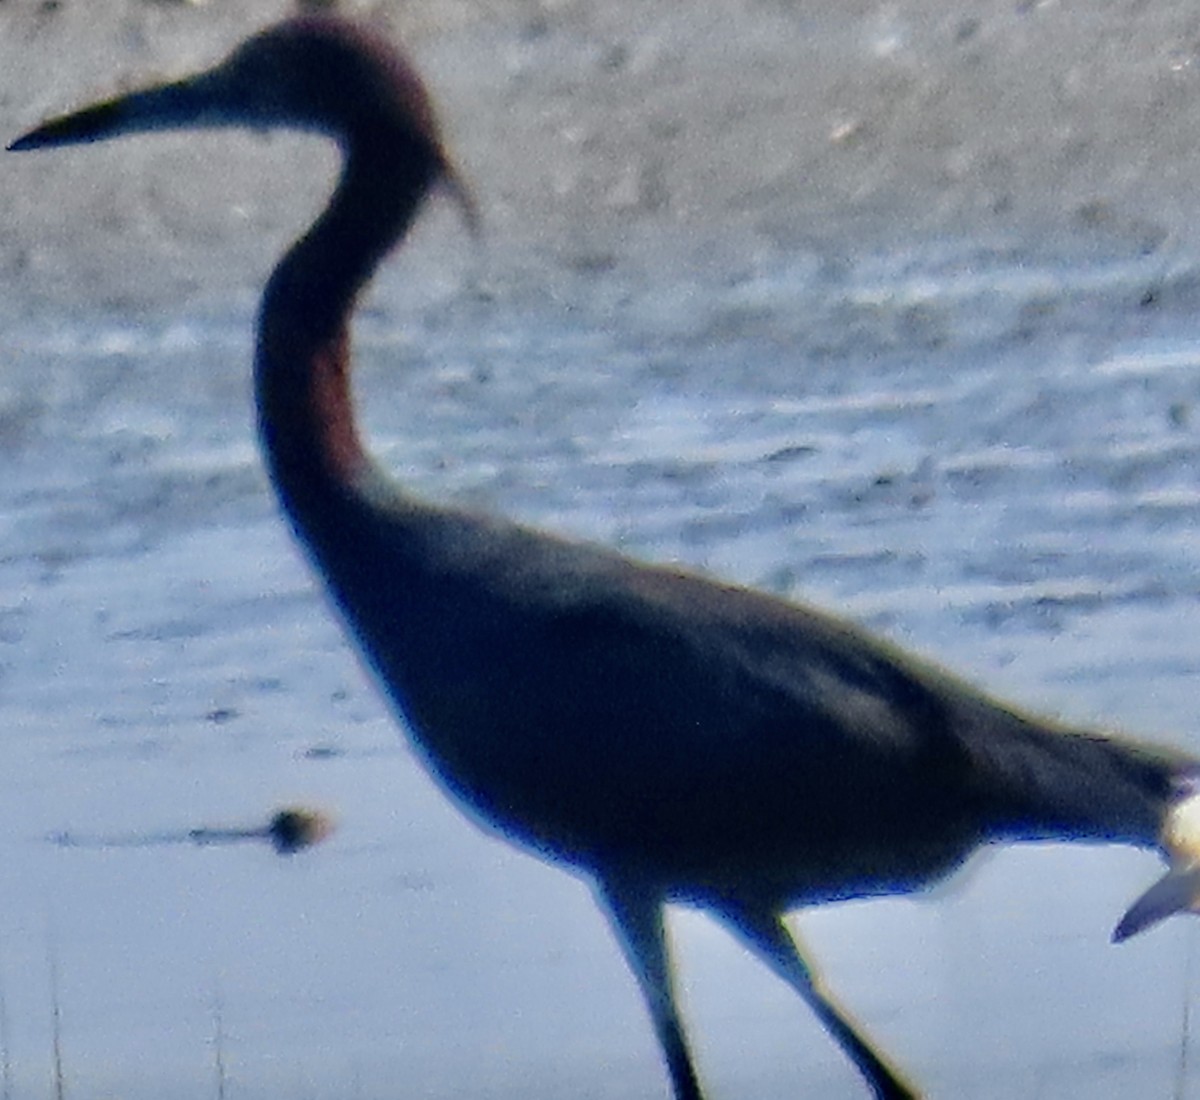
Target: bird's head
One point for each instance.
(314, 73)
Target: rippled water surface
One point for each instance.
(994, 462)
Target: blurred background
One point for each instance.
(887, 306)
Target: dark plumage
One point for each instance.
(668, 737)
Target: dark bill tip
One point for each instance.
(90, 124)
(196, 101)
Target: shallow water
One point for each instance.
(991, 461)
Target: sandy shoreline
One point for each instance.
(648, 133)
(668, 344)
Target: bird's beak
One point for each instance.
(207, 99)
(210, 99)
(196, 101)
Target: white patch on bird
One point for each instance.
(1181, 831)
(1178, 891)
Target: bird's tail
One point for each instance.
(1053, 784)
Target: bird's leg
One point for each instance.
(768, 937)
(637, 919)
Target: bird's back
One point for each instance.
(609, 712)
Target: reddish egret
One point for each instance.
(668, 737)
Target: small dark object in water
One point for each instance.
(288, 831)
(296, 828)
(667, 737)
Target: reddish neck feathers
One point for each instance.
(303, 367)
(311, 421)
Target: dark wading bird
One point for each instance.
(668, 737)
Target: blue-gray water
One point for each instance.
(992, 462)
(889, 306)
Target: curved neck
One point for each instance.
(302, 370)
